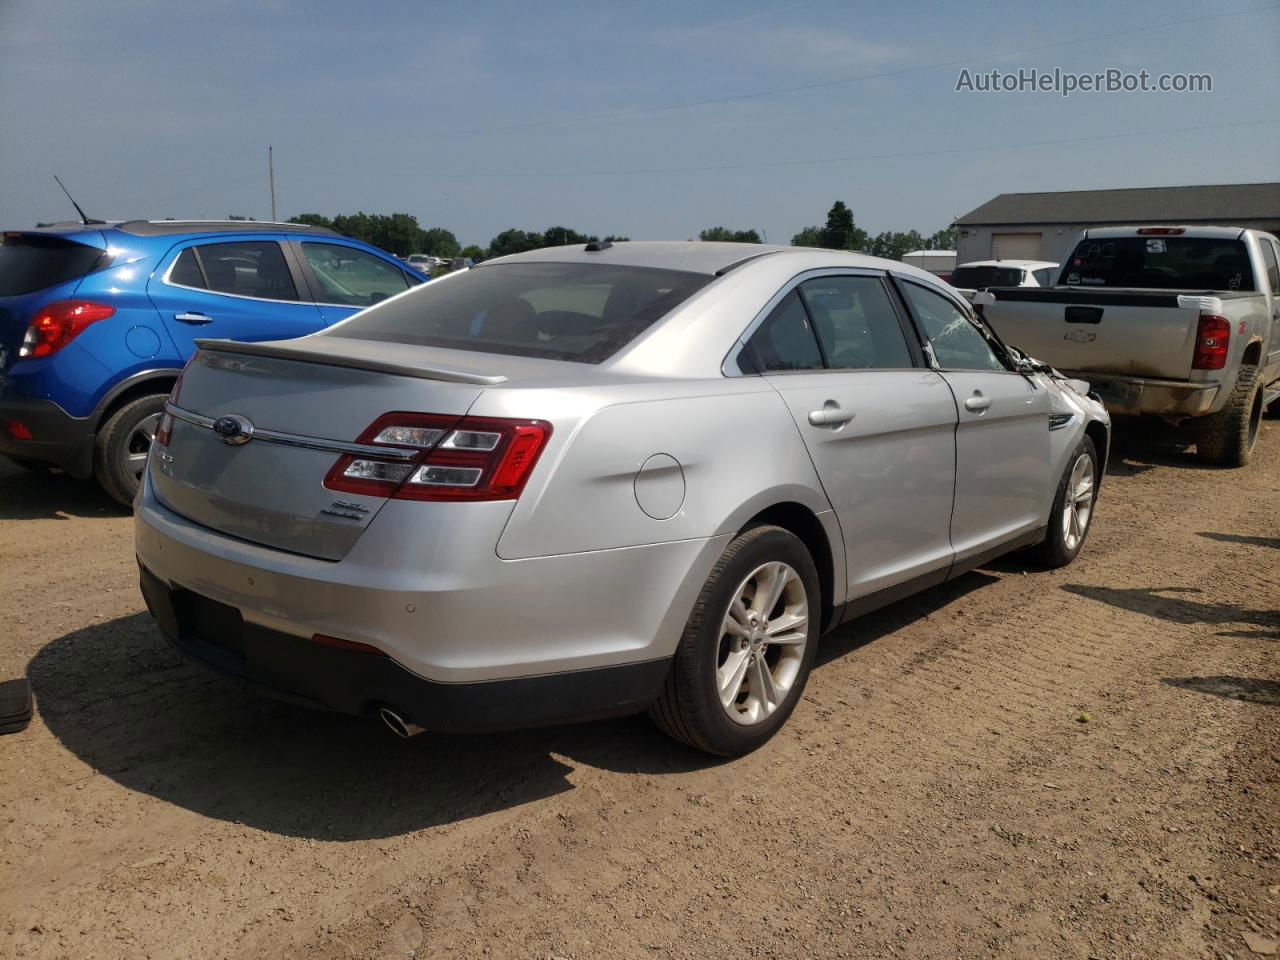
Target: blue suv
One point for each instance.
(96, 321)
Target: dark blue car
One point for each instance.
(96, 321)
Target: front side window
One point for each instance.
(353, 277)
(856, 323)
(957, 343)
(786, 341)
(253, 268)
(582, 312)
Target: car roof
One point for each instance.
(692, 256)
(169, 228)
(1025, 264)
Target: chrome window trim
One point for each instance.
(730, 366)
(298, 440)
(164, 278)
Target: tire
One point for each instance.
(690, 708)
(121, 446)
(1068, 531)
(1228, 437)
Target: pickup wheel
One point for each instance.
(1228, 437)
(748, 647)
(1072, 511)
(120, 451)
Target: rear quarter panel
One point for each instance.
(735, 444)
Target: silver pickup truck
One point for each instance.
(1177, 322)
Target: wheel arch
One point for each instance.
(801, 521)
(1252, 356)
(1098, 432)
(141, 384)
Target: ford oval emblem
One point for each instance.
(233, 429)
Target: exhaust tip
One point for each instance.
(398, 724)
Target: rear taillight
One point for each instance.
(18, 430)
(164, 429)
(57, 324)
(458, 458)
(1213, 337)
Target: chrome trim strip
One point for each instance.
(297, 440)
(1060, 421)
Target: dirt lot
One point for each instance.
(1019, 764)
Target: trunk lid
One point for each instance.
(1127, 333)
(271, 492)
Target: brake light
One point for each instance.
(1213, 338)
(19, 430)
(1161, 231)
(57, 324)
(164, 429)
(457, 458)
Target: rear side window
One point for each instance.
(581, 312)
(786, 341)
(253, 268)
(353, 277)
(856, 323)
(1273, 269)
(1160, 263)
(1044, 276)
(32, 261)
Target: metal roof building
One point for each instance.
(1040, 226)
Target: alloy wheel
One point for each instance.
(138, 445)
(1077, 507)
(762, 643)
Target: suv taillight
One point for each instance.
(57, 324)
(1213, 338)
(459, 458)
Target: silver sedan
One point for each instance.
(585, 482)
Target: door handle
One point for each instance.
(977, 403)
(196, 319)
(830, 415)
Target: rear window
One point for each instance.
(978, 277)
(1160, 263)
(32, 261)
(582, 312)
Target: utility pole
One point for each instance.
(271, 175)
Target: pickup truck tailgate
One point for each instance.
(1117, 332)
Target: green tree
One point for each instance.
(614, 238)
(313, 220)
(944, 239)
(808, 237)
(841, 232)
(472, 252)
(236, 216)
(725, 235)
(514, 241)
(438, 242)
(564, 237)
(893, 245)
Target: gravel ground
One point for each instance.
(1075, 764)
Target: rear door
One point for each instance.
(232, 288)
(879, 428)
(1003, 488)
(345, 278)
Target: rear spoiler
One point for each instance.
(344, 352)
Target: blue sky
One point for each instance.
(477, 116)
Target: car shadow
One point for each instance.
(1182, 605)
(1273, 542)
(51, 495)
(122, 700)
(1140, 445)
(1247, 689)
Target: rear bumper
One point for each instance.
(57, 438)
(1134, 396)
(299, 671)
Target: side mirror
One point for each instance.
(983, 298)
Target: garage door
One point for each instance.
(1015, 246)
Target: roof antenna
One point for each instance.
(83, 219)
